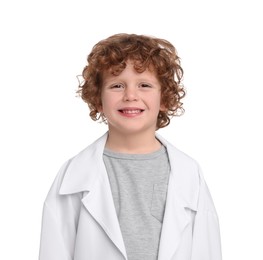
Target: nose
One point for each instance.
(130, 94)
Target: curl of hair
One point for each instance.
(146, 52)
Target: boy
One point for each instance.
(131, 194)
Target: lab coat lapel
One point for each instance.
(181, 194)
(87, 173)
(174, 223)
(100, 205)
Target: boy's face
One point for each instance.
(131, 101)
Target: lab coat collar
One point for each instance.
(85, 168)
(86, 173)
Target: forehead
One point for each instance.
(129, 68)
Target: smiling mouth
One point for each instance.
(131, 111)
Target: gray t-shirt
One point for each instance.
(139, 187)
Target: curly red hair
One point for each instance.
(111, 54)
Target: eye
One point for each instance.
(117, 86)
(145, 85)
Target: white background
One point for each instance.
(43, 47)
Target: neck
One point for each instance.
(132, 143)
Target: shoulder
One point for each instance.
(178, 157)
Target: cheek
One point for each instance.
(159, 102)
(106, 104)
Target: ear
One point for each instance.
(162, 108)
(100, 109)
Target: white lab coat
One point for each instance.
(80, 222)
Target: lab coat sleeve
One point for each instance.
(59, 224)
(206, 235)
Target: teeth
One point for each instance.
(135, 111)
